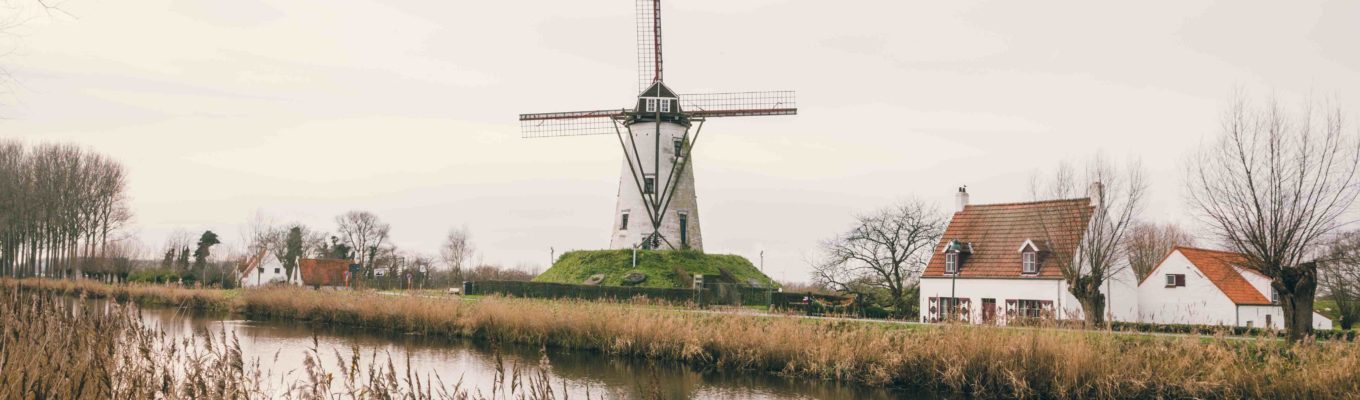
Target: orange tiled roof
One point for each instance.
(323, 272)
(996, 232)
(1217, 266)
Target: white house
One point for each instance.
(1208, 287)
(262, 269)
(996, 263)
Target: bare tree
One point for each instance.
(886, 249)
(1148, 242)
(1116, 198)
(1272, 187)
(365, 235)
(1339, 276)
(456, 251)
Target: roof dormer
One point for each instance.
(954, 254)
(1030, 253)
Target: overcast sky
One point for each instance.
(303, 109)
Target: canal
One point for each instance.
(281, 348)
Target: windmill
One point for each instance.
(657, 181)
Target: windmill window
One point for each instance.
(623, 226)
(665, 106)
(951, 263)
(651, 105)
(649, 184)
(1029, 262)
(679, 146)
(684, 228)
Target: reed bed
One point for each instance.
(980, 362)
(146, 294)
(53, 346)
(976, 361)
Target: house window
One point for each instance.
(1028, 261)
(665, 106)
(951, 263)
(1030, 308)
(948, 308)
(261, 270)
(1274, 296)
(679, 146)
(623, 226)
(276, 270)
(651, 105)
(649, 184)
(1175, 280)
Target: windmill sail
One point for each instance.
(648, 42)
(739, 104)
(572, 123)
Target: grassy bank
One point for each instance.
(664, 269)
(983, 362)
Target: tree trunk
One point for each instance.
(1087, 292)
(1297, 287)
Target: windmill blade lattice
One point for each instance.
(648, 42)
(573, 123)
(739, 104)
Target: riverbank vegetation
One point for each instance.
(980, 361)
(53, 346)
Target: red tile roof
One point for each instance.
(250, 264)
(996, 232)
(1217, 266)
(323, 272)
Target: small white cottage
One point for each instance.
(262, 269)
(1209, 287)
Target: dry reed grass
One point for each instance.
(58, 347)
(984, 362)
(147, 294)
(978, 361)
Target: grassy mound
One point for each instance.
(664, 269)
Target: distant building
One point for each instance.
(995, 264)
(1209, 287)
(324, 273)
(261, 269)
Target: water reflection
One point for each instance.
(281, 347)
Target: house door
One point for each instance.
(989, 311)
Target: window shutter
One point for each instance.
(1180, 280)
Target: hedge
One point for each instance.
(711, 294)
(1215, 329)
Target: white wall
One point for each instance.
(273, 273)
(1001, 290)
(632, 201)
(1198, 302)
(1255, 316)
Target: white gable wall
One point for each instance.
(1198, 302)
(1121, 296)
(273, 273)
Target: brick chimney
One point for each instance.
(961, 199)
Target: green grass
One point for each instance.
(659, 266)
